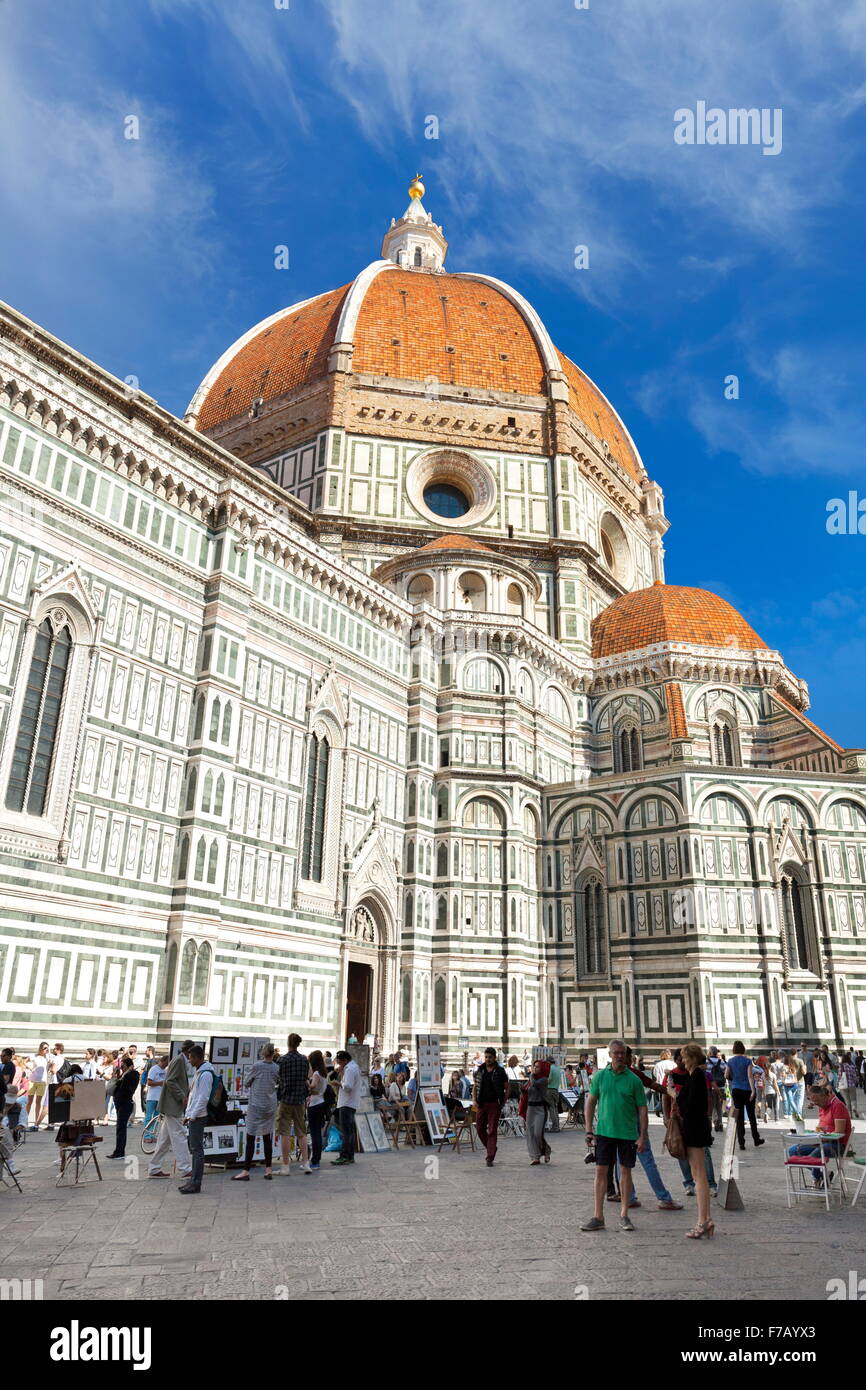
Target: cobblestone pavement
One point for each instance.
(390, 1223)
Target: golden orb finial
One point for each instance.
(416, 187)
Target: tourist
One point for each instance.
(620, 1099)
(124, 1105)
(263, 1079)
(833, 1119)
(90, 1070)
(554, 1083)
(456, 1095)
(196, 1117)
(741, 1077)
(646, 1157)
(716, 1072)
(149, 1059)
(694, 1104)
(292, 1107)
(400, 1064)
(676, 1079)
(347, 1104)
(155, 1079)
(37, 1095)
(317, 1086)
(534, 1109)
(171, 1106)
(10, 1107)
(489, 1092)
(848, 1079)
(377, 1089)
(515, 1077)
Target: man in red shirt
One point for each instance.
(834, 1119)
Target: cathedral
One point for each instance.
(356, 702)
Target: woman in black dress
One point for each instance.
(694, 1104)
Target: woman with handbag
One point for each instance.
(689, 1128)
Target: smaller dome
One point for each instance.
(669, 613)
(453, 542)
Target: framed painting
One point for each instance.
(222, 1050)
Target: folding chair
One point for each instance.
(861, 1163)
(797, 1171)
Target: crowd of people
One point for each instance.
(295, 1096)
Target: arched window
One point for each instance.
(187, 971)
(442, 913)
(215, 720)
(227, 724)
(413, 800)
(190, 790)
(407, 912)
(723, 744)
(410, 857)
(183, 863)
(199, 718)
(592, 907)
(212, 862)
(472, 592)
(220, 795)
(514, 601)
(442, 861)
(442, 803)
(199, 860)
(627, 750)
(314, 816)
(439, 1001)
(420, 589)
(207, 792)
(406, 998)
(33, 754)
(417, 260)
(202, 974)
(170, 973)
(794, 921)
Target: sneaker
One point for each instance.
(313, 1168)
(593, 1224)
(714, 1190)
(306, 1167)
(670, 1205)
(285, 1170)
(689, 1191)
(759, 1142)
(625, 1223)
(188, 1190)
(160, 1174)
(341, 1162)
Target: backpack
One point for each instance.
(63, 1070)
(717, 1071)
(217, 1104)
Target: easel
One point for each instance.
(6, 1168)
(77, 1156)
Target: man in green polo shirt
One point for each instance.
(620, 1131)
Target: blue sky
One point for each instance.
(302, 125)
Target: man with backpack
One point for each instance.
(206, 1098)
(715, 1070)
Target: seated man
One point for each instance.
(833, 1119)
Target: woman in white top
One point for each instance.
(261, 1111)
(317, 1084)
(38, 1089)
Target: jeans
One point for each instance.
(814, 1151)
(718, 1099)
(685, 1169)
(346, 1123)
(195, 1133)
(654, 1177)
(790, 1096)
(315, 1119)
(123, 1109)
(150, 1109)
(487, 1125)
(745, 1103)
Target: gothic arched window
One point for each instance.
(35, 744)
(202, 974)
(627, 750)
(723, 744)
(794, 920)
(316, 806)
(592, 905)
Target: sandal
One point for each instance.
(241, 1177)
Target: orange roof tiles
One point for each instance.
(676, 710)
(792, 709)
(461, 332)
(669, 613)
(288, 354)
(453, 542)
(589, 405)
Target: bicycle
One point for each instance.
(150, 1134)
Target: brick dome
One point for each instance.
(669, 613)
(459, 330)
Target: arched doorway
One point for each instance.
(370, 975)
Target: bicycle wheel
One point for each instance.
(149, 1135)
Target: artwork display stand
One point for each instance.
(729, 1197)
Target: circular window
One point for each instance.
(446, 500)
(449, 485)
